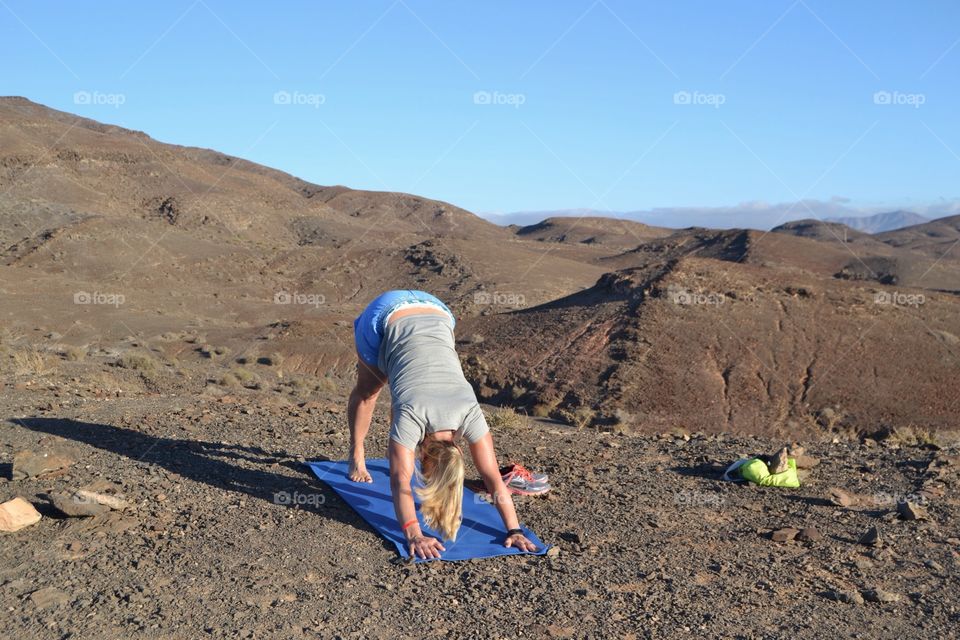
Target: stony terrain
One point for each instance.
(176, 340)
(227, 536)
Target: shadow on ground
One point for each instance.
(211, 463)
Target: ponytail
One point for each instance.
(441, 490)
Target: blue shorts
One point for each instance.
(368, 327)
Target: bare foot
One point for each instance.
(358, 471)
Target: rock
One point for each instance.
(839, 497)
(114, 502)
(849, 597)
(553, 552)
(911, 510)
(778, 461)
(70, 504)
(809, 534)
(82, 503)
(879, 595)
(863, 563)
(16, 514)
(806, 462)
(784, 535)
(49, 597)
(933, 565)
(27, 464)
(872, 538)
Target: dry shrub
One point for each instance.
(32, 362)
(142, 362)
(580, 417)
(505, 417)
(72, 353)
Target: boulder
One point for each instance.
(809, 534)
(16, 514)
(82, 503)
(784, 535)
(28, 464)
(911, 510)
(872, 538)
(879, 595)
(49, 597)
(839, 497)
(69, 504)
(849, 597)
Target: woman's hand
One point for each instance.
(425, 547)
(519, 541)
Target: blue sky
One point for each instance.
(512, 106)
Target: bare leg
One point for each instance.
(363, 399)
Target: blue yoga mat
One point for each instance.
(481, 534)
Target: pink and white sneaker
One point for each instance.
(522, 481)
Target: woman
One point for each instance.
(406, 338)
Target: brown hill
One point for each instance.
(115, 245)
(937, 237)
(714, 345)
(591, 230)
(819, 230)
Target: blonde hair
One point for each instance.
(441, 490)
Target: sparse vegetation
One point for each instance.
(32, 361)
(915, 436)
(517, 391)
(240, 377)
(327, 385)
(229, 380)
(505, 417)
(542, 410)
(272, 360)
(72, 353)
(209, 351)
(142, 362)
(580, 417)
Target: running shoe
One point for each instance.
(516, 469)
(520, 481)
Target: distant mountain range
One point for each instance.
(745, 216)
(880, 222)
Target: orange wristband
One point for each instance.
(407, 524)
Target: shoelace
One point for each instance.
(522, 472)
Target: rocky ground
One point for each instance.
(225, 534)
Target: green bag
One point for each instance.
(756, 471)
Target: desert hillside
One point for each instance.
(204, 263)
(177, 340)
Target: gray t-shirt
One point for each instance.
(429, 390)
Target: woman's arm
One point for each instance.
(401, 471)
(485, 459)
